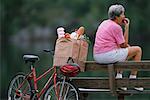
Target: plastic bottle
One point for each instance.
(60, 32)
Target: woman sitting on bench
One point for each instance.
(111, 44)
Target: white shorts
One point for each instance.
(113, 56)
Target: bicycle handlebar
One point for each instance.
(49, 51)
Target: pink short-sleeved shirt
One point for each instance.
(108, 36)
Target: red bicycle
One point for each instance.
(25, 87)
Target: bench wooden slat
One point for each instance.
(125, 62)
(95, 67)
(128, 65)
(144, 82)
(91, 83)
(103, 83)
(143, 65)
(134, 92)
(127, 92)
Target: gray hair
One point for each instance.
(115, 10)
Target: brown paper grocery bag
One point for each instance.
(65, 48)
(83, 51)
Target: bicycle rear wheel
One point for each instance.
(69, 92)
(17, 91)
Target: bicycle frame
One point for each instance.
(32, 76)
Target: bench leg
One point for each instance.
(121, 97)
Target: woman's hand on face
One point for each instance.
(126, 22)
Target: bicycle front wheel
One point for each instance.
(69, 91)
(19, 88)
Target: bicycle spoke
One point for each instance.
(61, 91)
(17, 83)
(66, 92)
(13, 87)
(71, 95)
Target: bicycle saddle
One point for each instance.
(31, 58)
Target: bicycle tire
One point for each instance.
(72, 94)
(24, 91)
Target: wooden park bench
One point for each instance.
(108, 83)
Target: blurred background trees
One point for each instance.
(29, 26)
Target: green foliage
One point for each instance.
(21, 13)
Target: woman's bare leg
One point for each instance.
(134, 53)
